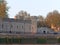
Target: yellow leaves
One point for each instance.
(53, 18)
(2, 10)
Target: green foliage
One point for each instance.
(58, 40)
(28, 40)
(41, 41)
(22, 41)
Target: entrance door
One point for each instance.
(44, 32)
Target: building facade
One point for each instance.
(45, 30)
(16, 26)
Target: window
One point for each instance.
(22, 27)
(2, 25)
(17, 26)
(11, 25)
(10, 32)
(29, 27)
(32, 27)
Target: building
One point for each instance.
(25, 16)
(45, 30)
(16, 26)
(34, 24)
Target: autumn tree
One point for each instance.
(3, 9)
(53, 18)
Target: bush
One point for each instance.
(22, 41)
(58, 40)
(41, 41)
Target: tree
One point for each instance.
(22, 15)
(3, 9)
(40, 18)
(41, 21)
(53, 18)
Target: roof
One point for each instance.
(16, 20)
(45, 28)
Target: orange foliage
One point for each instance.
(2, 10)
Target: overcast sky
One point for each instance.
(34, 7)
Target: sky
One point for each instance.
(34, 7)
